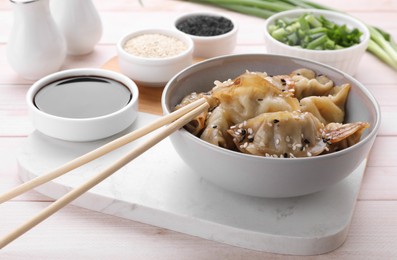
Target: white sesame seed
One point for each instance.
(277, 141)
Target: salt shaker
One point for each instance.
(80, 24)
(35, 47)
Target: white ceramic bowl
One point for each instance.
(212, 46)
(346, 59)
(76, 126)
(154, 72)
(262, 176)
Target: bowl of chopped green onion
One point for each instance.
(328, 37)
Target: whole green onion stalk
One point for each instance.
(381, 43)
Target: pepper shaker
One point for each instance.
(80, 24)
(35, 47)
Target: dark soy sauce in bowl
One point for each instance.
(82, 97)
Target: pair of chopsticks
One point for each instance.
(172, 122)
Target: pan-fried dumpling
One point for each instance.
(198, 123)
(340, 136)
(280, 134)
(329, 108)
(250, 95)
(307, 83)
(282, 82)
(216, 128)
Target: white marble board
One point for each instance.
(158, 188)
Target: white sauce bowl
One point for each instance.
(73, 128)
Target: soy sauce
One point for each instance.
(82, 97)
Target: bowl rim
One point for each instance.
(215, 60)
(353, 22)
(41, 83)
(208, 13)
(165, 31)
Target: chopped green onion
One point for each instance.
(381, 44)
(315, 33)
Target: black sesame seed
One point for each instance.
(250, 139)
(285, 155)
(260, 99)
(276, 121)
(306, 141)
(325, 140)
(204, 25)
(243, 131)
(214, 126)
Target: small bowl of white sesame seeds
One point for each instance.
(151, 57)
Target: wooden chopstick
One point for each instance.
(76, 192)
(123, 140)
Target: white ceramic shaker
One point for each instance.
(80, 24)
(35, 47)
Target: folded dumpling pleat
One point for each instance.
(340, 136)
(251, 95)
(216, 128)
(307, 83)
(330, 108)
(280, 134)
(197, 125)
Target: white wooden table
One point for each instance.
(77, 233)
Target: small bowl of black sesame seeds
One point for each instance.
(213, 34)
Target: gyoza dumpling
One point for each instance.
(198, 123)
(329, 108)
(216, 128)
(280, 134)
(307, 83)
(340, 136)
(282, 82)
(250, 95)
